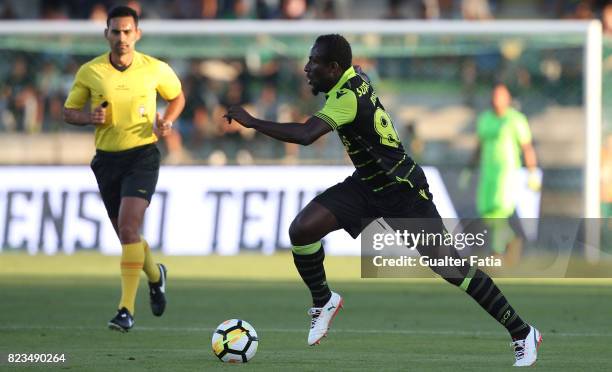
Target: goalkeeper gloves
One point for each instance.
(533, 181)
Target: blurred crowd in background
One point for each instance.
(307, 9)
(33, 87)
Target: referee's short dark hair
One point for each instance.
(122, 11)
(336, 49)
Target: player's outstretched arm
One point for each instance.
(300, 133)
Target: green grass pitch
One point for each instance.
(60, 304)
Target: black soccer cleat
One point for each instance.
(122, 322)
(157, 292)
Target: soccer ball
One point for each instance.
(235, 341)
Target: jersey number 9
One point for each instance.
(384, 128)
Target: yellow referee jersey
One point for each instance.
(131, 95)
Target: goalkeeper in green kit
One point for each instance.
(503, 135)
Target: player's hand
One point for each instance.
(533, 181)
(240, 115)
(98, 115)
(163, 127)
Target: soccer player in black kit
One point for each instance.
(386, 183)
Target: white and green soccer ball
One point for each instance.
(235, 341)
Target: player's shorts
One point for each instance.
(132, 172)
(403, 207)
(355, 205)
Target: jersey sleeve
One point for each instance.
(79, 93)
(168, 84)
(521, 129)
(340, 108)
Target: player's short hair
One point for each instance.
(336, 49)
(122, 11)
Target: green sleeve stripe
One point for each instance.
(372, 176)
(359, 150)
(327, 119)
(364, 164)
(306, 249)
(410, 171)
(384, 186)
(397, 165)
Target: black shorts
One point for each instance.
(131, 172)
(355, 205)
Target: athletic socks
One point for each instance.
(132, 260)
(484, 291)
(308, 260)
(150, 267)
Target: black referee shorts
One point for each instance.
(355, 205)
(132, 172)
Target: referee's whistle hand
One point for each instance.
(163, 127)
(98, 115)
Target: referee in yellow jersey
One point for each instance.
(122, 87)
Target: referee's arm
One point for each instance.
(174, 108)
(78, 117)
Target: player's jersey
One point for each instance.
(131, 95)
(366, 130)
(501, 139)
(500, 156)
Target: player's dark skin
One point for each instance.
(314, 221)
